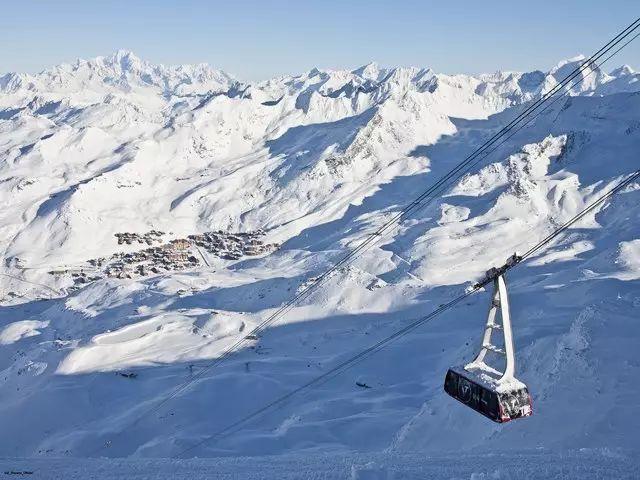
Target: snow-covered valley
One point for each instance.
(253, 190)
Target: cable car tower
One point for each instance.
(495, 394)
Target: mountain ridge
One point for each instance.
(153, 216)
(125, 61)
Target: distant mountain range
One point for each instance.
(240, 193)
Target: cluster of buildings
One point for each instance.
(149, 238)
(232, 246)
(178, 254)
(173, 256)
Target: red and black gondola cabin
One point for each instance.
(498, 404)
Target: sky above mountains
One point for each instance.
(255, 40)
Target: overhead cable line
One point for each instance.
(14, 277)
(620, 186)
(478, 154)
(358, 358)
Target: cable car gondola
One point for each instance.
(495, 394)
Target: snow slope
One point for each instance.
(317, 161)
(542, 465)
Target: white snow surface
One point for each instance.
(317, 161)
(538, 465)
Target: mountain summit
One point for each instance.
(122, 71)
(154, 215)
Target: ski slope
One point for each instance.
(542, 465)
(317, 161)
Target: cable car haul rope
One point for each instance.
(494, 393)
(515, 401)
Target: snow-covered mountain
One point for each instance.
(153, 214)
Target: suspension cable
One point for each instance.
(356, 359)
(478, 154)
(620, 186)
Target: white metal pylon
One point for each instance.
(499, 300)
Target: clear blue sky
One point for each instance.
(256, 39)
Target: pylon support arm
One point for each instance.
(499, 302)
